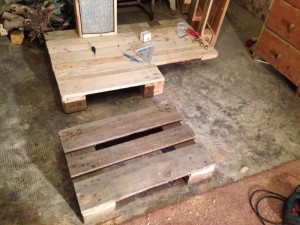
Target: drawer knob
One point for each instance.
(291, 27)
(277, 55)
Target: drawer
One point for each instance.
(280, 54)
(295, 3)
(284, 20)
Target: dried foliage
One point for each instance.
(39, 18)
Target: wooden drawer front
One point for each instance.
(284, 20)
(279, 54)
(295, 3)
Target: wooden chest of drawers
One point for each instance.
(279, 42)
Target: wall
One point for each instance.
(258, 7)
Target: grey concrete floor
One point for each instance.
(244, 113)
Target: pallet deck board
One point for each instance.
(164, 39)
(101, 131)
(79, 165)
(104, 81)
(135, 178)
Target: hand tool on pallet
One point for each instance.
(131, 57)
(146, 52)
(194, 33)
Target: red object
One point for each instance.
(294, 212)
(249, 43)
(193, 33)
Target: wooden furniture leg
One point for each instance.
(139, 3)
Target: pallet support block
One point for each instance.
(98, 192)
(200, 175)
(75, 104)
(150, 90)
(17, 37)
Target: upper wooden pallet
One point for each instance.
(80, 72)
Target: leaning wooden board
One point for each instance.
(99, 191)
(79, 72)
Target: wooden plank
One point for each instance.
(135, 28)
(183, 55)
(116, 127)
(108, 81)
(80, 165)
(95, 69)
(87, 57)
(77, 45)
(126, 181)
(196, 176)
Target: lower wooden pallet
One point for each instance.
(138, 151)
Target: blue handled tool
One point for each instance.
(131, 57)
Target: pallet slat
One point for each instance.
(79, 165)
(105, 81)
(116, 127)
(97, 192)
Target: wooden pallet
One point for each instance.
(98, 191)
(79, 72)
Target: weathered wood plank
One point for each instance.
(142, 68)
(126, 181)
(183, 55)
(102, 82)
(165, 40)
(116, 127)
(79, 165)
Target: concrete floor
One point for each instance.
(244, 113)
